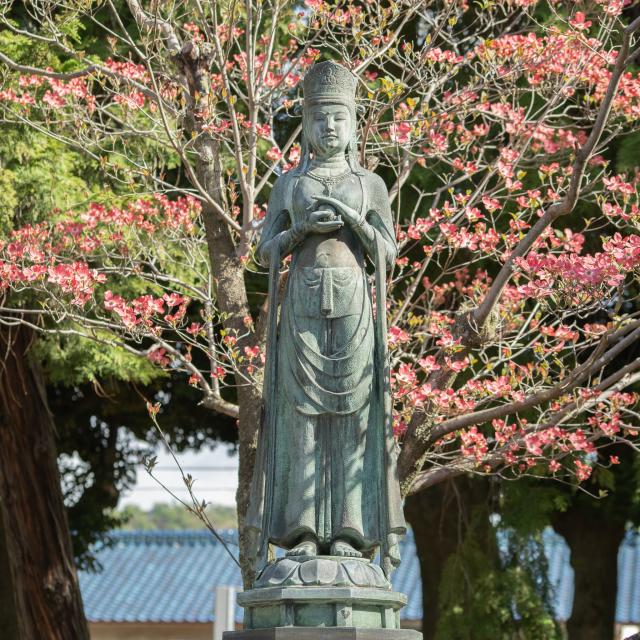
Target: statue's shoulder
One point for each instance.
(376, 188)
(281, 187)
(374, 183)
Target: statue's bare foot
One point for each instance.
(342, 548)
(308, 547)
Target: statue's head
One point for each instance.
(329, 113)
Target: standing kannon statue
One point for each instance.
(325, 480)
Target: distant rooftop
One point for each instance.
(171, 576)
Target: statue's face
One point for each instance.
(328, 129)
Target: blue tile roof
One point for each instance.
(170, 576)
(628, 596)
(560, 573)
(158, 576)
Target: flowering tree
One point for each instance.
(515, 287)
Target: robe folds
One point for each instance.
(326, 459)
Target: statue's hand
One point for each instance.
(349, 215)
(322, 221)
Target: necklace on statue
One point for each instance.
(329, 182)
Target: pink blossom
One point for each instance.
(76, 278)
(159, 356)
(400, 132)
(194, 328)
(274, 154)
(503, 431)
(580, 22)
(117, 304)
(147, 306)
(397, 336)
(54, 100)
(428, 363)
(583, 471)
(252, 352)
(474, 444)
(173, 299)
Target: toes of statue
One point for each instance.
(343, 548)
(307, 547)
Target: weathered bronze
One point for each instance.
(326, 479)
(325, 485)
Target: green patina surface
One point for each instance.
(328, 606)
(326, 482)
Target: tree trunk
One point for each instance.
(38, 544)
(594, 542)
(438, 517)
(8, 613)
(228, 274)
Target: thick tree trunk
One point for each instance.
(8, 612)
(38, 544)
(594, 542)
(438, 517)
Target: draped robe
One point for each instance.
(326, 454)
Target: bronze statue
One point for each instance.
(326, 480)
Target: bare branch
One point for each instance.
(146, 22)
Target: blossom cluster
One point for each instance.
(581, 273)
(60, 252)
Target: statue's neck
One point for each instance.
(332, 166)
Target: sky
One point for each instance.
(214, 472)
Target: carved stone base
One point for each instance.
(313, 598)
(321, 571)
(321, 607)
(327, 633)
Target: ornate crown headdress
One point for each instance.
(329, 81)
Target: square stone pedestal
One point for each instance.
(327, 633)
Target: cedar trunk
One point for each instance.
(594, 541)
(37, 547)
(8, 613)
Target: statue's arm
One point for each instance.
(378, 220)
(277, 227)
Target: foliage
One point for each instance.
(489, 594)
(96, 392)
(515, 290)
(103, 435)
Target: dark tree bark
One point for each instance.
(594, 541)
(38, 544)
(8, 613)
(439, 518)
